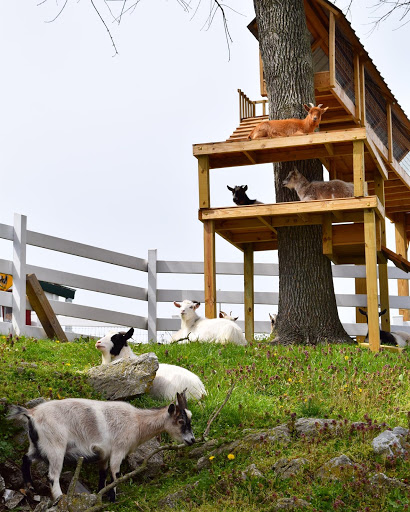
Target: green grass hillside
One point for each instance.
(273, 386)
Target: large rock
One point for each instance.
(338, 468)
(124, 378)
(389, 443)
(285, 468)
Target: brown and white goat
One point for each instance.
(311, 190)
(240, 197)
(288, 127)
(98, 431)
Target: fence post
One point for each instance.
(152, 294)
(19, 274)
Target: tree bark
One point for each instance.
(307, 304)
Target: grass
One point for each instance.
(273, 385)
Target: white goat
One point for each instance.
(169, 379)
(222, 314)
(98, 431)
(196, 328)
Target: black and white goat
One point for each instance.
(240, 197)
(222, 314)
(98, 431)
(169, 379)
(398, 338)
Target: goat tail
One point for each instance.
(16, 412)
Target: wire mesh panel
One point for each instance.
(376, 109)
(401, 142)
(344, 64)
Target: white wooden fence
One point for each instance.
(21, 237)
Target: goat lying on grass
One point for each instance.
(169, 379)
(240, 197)
(311, 190)
(98, 431)
(222, 314)
(398, 338)
(196, 328)
(288, 127)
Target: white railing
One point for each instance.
(152, 295)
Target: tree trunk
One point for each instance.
(307, 304)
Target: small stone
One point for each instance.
(338, 468)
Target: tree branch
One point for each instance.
(216, 414)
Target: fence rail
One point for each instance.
(150, 296)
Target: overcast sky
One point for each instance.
(98, 148)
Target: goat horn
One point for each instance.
(311, 104)
(320, 104)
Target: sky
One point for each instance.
(97, 148)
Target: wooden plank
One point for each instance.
(347, 205)
(332, 49)
(401, 248)
(203, 182)
(362, 95)
(322, 81)
(358, 168)
(248, 292)
(389, 348)
(358, 103)
(389, 133)
(43, 309)
(371, 279)
(209, 269)
(333, 137)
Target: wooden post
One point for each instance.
(357, 97)
(327, 235)
(332, 52)
(383, 271)
(360, 289)
(203, 182)
(362, 94)
(371, 279)
(152, 295)
(43, 309)
(248, 292)
(389, 133)
(209, 269)
(358, 168)
(19, 275)
(401, 248)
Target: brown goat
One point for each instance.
(311, 190)
(288, 127)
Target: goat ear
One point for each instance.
(171, 409)
(245, 188)
(324, 109)
(197, 304)
(129, 333)
(177, 304)
(382, 312)
(221, 314)
(236, 318)
(230, 188)
(306, 107)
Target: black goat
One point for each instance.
(239, 195)
(387, 338)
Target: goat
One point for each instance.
(272, 322)
(288, 127)
(98, 431)
(398, 338)
(311, 190)
(240, 197)
(196, 328)
(169, 379)
(222, 314)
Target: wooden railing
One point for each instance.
(150, 296)
(247, 107)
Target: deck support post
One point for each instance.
(248, 291)
(358, 168)
(383, 271)
(402, 244)
(209, 269)
(203, 182)
(371, 279)
(360, 289)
